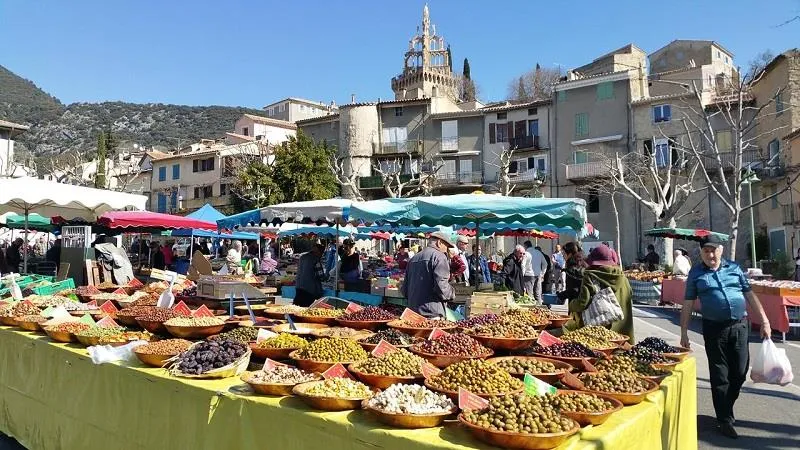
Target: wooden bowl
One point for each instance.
(381, 381)
(574, 362)
(680, 356)
(275, 314)
(454, 394)
(628, 399)
(153, 326)
(275, 389)
(558, 323)
(409, 421)
(8, 321)
(620, 341)
(608, 351)
(363, 324)
(657, 379)
(592, 418)
(550, 377)
(152, 360)
(303, 329)
(257, 309)
(527, 441)
(326, 403)
(310, 365)
(371, 347)
(667, 367)
(276, 354)
(419, 332)
(194, 332)
(60, 336)
(502, 343)
(127, 320)
(29, 326)
(329, 321)
(88, 341)
(442, 361)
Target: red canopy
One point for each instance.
(152, 220)
(515, 233)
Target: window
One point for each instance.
(162, 203)
(162, 173)
(197, 192)
(395, 137)
(449, 136)
(539, 163)
(202, 192)
(398, 111)
(580, 157)
(203, 165)
(245, 131)
(533, 111)
(465, 170)
(779, 106)
(774, 148)
(774, 200)
(492, 133)
(605, 90)
(502, 116)
(389, 165)
(662, 153)
(502, 132)
(176, 171)
(581, 125)
(448, 168)
(724, 141)
(519, 166)
(592, 201)
(662, 113)
(533, 127)
(173, 201)
(562, 96)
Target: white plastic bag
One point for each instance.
(106, 353)
(771, 365)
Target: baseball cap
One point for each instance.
(712, 241)
(444, 238)
(462, 239)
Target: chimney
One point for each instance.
(352, 98)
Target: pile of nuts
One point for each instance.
(124, 337)
(391, 336)
(340, 332)
(210, 355)
(334, 350)
(482, 319)
(453, 345)
(525, 365)
(239, 334)
(658, 345)
(542, 314)
(159, 315)
(477, 376)
(166, 347)
(75, 306)
(321, 312)
(520, 414)
(523, 316)
(21, 309)
(613, 382)
(368, 314)
(287, 309)
(34, 318)
(340, 388)
(46, 301)
(565, 350)
(410, 399)
(99, 332)
(135, 311)
(194, 322)
(281, 374)
(429, 323)
(400, 363)
(580, 402)
(283, 340)
(144, 299)
(506, 329)
(70, 327)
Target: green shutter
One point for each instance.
(562, 96)
(581, 124)
(605, 90)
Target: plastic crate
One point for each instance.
(361, 297)
(288, 292)
(54, 288)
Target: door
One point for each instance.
(450, 136)
(465, 170)
(448, 170)
(777, 242)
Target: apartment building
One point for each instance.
(8, 131)
(293, 109)
(251, 128)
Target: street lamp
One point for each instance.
(748, 179)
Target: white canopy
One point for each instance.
(48, 198)
(330, 210)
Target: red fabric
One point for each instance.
(775, 309)
(167, 252)
(457, 267)
(147, 219)
(673, 291)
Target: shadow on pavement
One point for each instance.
(756, 391)
(707, 432)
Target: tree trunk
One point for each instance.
(669, 244)
(734, 235)
(616, 227)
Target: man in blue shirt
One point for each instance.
(723, 291)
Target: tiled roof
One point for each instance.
(510, 107)
(793, 134)
(705, 41)
(16, 126)
(658, 98)
(318, 119)
(155, 154)
(298, 100)
(273, 122)
(406, 100)
(240, 136)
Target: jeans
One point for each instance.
(533, 287)
(728, 360)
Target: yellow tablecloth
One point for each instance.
(53, 397)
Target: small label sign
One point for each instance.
(120, 291)
(429, 370)
(263, 334)
(135, 283)
(383, 348)
(437, 333)
(92, 290)
(107, 322)
(92, 303)
(27, 303)
(353, 307)
(202, 311)
(572, 381)
(626, 345)
(271, 365)
(546, 339)
(182, 309)
(468, 400)
(536, 387)
(108, 307)
(87, 319)
(411, 316)
(337, 371)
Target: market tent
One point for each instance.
(397, 229)
(208, 213)
(35, 222)
(462, 208)
(512, 232)
(137, 221)
(331, 211)
(688, 234)
(328, 231)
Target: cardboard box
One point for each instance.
(488, 302)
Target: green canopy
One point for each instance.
(688, 234)
(35, 222)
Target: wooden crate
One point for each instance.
(220, 290)
(488, 302)
(462, 290)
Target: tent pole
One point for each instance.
(475, 252)
(191, 246)
(336, 255)
(25, 248)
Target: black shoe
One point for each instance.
(726, 428)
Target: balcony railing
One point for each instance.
(728, 160)
(376, 181)
(524, 142)
(392, 148)
(459, 144)
(587, 170)
(451, 178)
(529, 176)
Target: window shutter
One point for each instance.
(519, 129)
(195, 163)
(513, 167)
(648, 146)
(492, 133)
(510, 130)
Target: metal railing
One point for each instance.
(587, 170)
(728, 160)
(399, 147)
(460, 144)
(449, 178)
(528, 176)
(524, 142)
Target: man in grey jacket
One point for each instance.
(427, 285)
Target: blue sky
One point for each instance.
(250, 53)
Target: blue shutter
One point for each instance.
(162, 174)
(174, 200)
(176, 171)
(162, 203)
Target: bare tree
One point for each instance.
(68, 168)
(757, 64)
(606, 188)
(398, 182)
(535, 84)
(347, 179)
(504, 159)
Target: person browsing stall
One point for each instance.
(426, 285)
(724, 292)
(462, 242)
(310, 275)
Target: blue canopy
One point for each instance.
(329, 211)
(327, 231)
(207, 213)
(489, 228)
(460, 209)
(395, 228)
(210, 214)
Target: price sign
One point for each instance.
(572, 381)
(87, 319)
(107, 322)
(411, 316)
(429, 370)
(437, 333)
(27, 303)
(92, 303)
(48, 312)
(546, 339)
(536, 387)
(92, 290)
(59, 312)
(271, 365)
(337, 371)
(383, 348)
(202, 311)
(626, 345)
(288, 317)
(182, 309)
(320, 303)
(108, 307)
(135, 283)
(588, 366)
(468, 400)
(353, 307)
(120, 291)
(264, 333)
